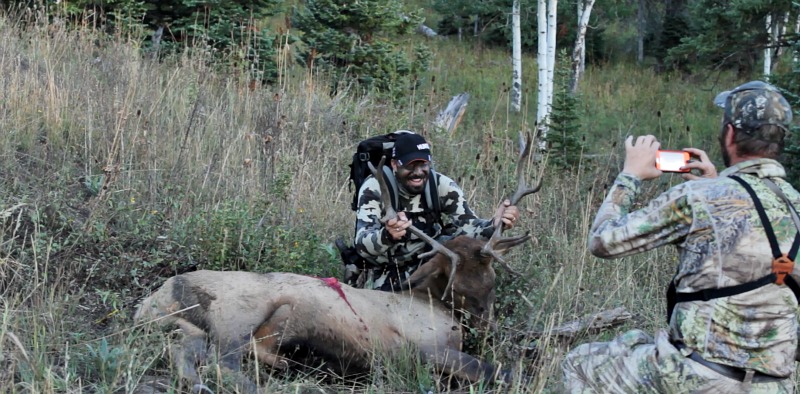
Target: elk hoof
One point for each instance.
(201, 388)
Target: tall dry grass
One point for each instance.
(118, 171)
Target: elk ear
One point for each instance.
(427, 270)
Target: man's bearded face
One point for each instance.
(413, 176)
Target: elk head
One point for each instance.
(471, 286)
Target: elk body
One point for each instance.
(272, 314)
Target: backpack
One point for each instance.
(370, 151)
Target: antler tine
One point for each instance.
(386, 200)
(390, 213)
(522, 191)
(522, 186)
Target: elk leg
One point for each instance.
(462, 365)
(269, 336)
(190, 352)
(231, 350)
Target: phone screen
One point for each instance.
(671, 160)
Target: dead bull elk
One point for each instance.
(272, 314)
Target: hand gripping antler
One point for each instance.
(522, 191)
(390, 213)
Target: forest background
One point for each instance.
(142, 139)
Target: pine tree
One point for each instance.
(789, 83)
(565, 139)
(356, 41)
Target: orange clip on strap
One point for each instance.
(781, 267)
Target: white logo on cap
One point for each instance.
(423, 146)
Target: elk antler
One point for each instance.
(522, 191)
(390, 213)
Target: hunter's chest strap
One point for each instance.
(782, 264)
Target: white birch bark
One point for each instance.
(795, 58)
(551, 51)
(579, 52)
(782, 33)
(541, 62)
(768, 49)
(516, 59)
(546, 26)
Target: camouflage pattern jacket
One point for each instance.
(375, 245)
(721, 242)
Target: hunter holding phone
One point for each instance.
(732, 304)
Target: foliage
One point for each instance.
(357, 41)
(673, 27)
(726, 34)
(565, 138)
(233, 32)
(233, 237)
(789, 82)
(490, 22)
(105, 359)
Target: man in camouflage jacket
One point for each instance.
(730, 344)
(391, 252)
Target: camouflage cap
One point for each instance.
(754, 104)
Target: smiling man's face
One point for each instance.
(412, 176)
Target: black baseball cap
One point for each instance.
(410, 147)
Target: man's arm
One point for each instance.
(617, 231)
(455, 206)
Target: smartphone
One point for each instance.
(671, 160)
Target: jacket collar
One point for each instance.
(762, 168)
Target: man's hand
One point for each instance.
(706, 167)
(640, 158)
(397, 226)
(510, 214)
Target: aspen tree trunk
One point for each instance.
(768, 49)
(782, 33)
(516, 59)
(640, 32)
(579, 52)
(551, 51)
(541, 61)
(546, 25)
(796, 30)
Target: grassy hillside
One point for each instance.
(117, 172)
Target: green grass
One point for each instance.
(118, 172)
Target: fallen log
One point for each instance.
(448, 119)
(589, 323)
(567, 332)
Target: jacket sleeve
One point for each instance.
(455, 206)
(617, 231)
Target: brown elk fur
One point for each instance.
(270, 314)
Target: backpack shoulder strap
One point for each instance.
(762, 214)
(432, 195)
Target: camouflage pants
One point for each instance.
(635, 363)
